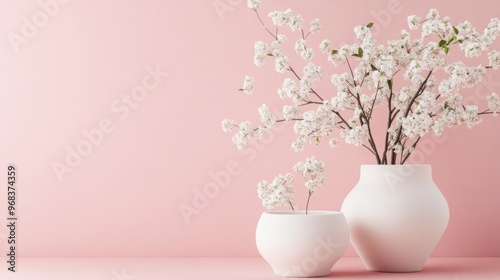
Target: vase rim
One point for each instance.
(303, 212)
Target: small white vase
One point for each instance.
(299, 245)
(396, 215)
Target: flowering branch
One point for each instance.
(425, 102)
(279, 192)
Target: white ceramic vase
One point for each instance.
(299, 245)
(396, 216)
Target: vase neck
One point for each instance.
(389, 174)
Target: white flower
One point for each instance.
(266, 116)
(433, 14)
(261, 51)
(276, 49)
(325, 46)
(279, 18)
(281, 38)
(403, 98)
(315, 25)
(416, 124)
(300, 46)
(315, 124)
(279, 192)
(228, 125)
(448, 86)
(472, 49)
(355, 136)
(290, 112)
(312, 170)
(494, 58)
(247, 85)
(302, 50)
(470, 116)
(243, 135)
(253, 4)
(296, 22)
(282, 18)
(333, 142)
(429, 27)
(415, 67)
(312, 74)
(465, 30)
(298, 145)
(413, 22)
(494, 103)
(281, 64)
(307, 55)
(362, 32)
(289, 89)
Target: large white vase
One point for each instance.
(299, 245)
(396, 215)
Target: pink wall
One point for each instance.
(75, 74)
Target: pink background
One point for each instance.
(123, 198)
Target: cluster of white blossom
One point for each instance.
(315, 25)
(266, 117)
(248, 85)
(474, 43)
(494, 103)
(279, 192)
(228, 125)
(261, 51)
(304, 52)
(291, 90)
(290, 112)
(494, 58)
(253, 4)
(287, 17)
(312, 170)
(314, 124)
(356, 135)
(245, 133)
(428, 99)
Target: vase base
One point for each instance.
(394, 270)
(302, 275)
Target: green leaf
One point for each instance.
(452, 40)
(373, 67)
(455, 29)
(356, 55)
(240, 89)
(360, 52)
(369, 25)
(446, 50)
(460, 41)
(317, 140)
(335, 52)
(442, 43)
(389, 83)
